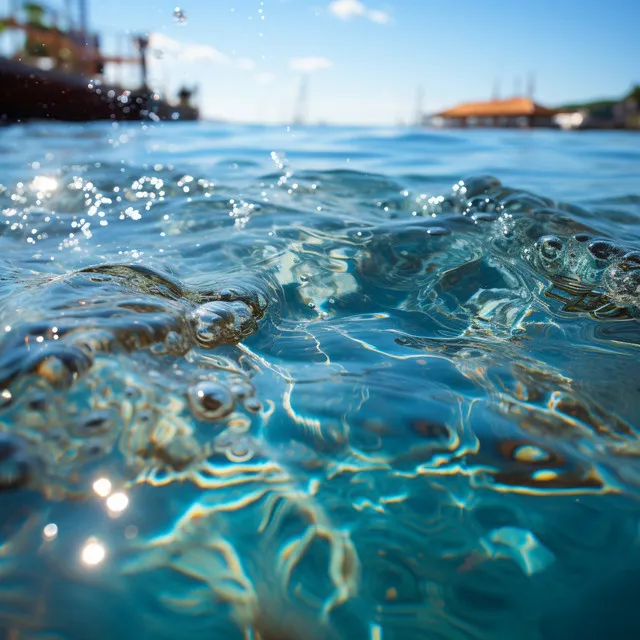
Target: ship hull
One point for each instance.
(30, 93)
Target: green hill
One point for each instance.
(603, 107)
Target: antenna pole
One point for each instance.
(517, 86)
(496, 90)
(301, 108)
(532, 86)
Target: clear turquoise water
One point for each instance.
(318, 383)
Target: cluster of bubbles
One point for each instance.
(512, 223)
(55, 404)
(590, 262)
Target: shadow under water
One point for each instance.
(332, 408)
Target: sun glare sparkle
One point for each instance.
(93, 553)
(102, 487)
(44, 184)
(117, 502)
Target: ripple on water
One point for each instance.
(325, 404)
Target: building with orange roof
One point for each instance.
(513, 112)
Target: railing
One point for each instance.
(48, 45)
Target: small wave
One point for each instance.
(240, 408)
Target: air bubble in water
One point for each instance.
(604, 252)
(210, 401)
(550, 253)
(221, 322)
(176, 344)
(623, 279)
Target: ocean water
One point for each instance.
(318, 383)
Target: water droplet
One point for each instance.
(179, 16)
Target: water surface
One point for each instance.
(318, 383)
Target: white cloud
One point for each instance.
(186, 52)
(163, 43)
(246, 64)
(310, 64)
(378, 16)
(347, 9)
(195, 52)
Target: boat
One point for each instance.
(58, 74)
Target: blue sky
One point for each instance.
(365, 59)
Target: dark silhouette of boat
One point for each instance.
(57, 75)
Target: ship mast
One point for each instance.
(84, 20)
(143, 45)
